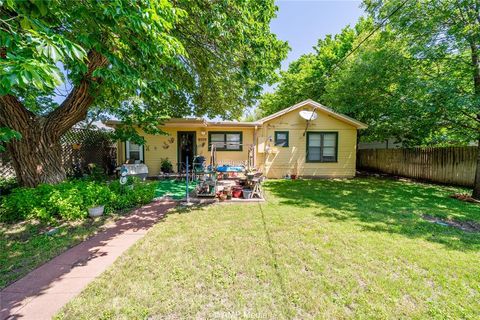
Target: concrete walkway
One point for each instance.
(41, 293)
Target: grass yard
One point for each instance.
(26, 245)
(318, 249)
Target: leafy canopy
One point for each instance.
(411, 80)
(163, 58)
(306, 77)
(443, 37)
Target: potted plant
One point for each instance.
(222, 196)
(166, 165)
(96, 198)
(294, 175)
(229, 193)
(96, 211)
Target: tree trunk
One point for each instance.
(37, 156)
(476, 84)
(476, 185)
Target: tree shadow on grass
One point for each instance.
(384, 206)
(87, 259)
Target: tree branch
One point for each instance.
(13, 114)
(80, 99)
(470, 116)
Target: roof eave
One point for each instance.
(239, 124)
(341, 117)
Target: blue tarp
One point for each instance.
(227, 168)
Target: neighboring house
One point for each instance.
(282, 143)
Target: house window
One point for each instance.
(225, 141)
(322, 146)
(133, 152)
(281, 138)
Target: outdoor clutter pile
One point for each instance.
(227, 182)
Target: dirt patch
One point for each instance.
(468, 226)
(465, 197)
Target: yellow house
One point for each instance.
(321, 145)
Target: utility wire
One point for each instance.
(367, 37)
(361, 42)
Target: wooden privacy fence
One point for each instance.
(450, 165)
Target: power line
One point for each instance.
(367, 37)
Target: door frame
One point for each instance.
(178, 145)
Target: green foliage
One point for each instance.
(442, 40)
(307, 77)
(7, 184)
(164, 58)
(95, 173)
(135, 192)
(412, 80)
(166, 165)
(383, 85)
(71, 199)
(7, 134)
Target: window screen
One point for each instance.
(134, 152)
(227, 141)
(322, 146)
(281, 138)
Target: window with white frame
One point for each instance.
(134, 152)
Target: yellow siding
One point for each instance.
(276, 163)
(291, 160)
(161, 146)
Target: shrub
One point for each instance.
(70, 200)
(95, 173)
(135, 192)
(7, 184)
(166, 165)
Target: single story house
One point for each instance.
(279, 144)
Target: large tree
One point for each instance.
(141, 61)
(445, 33)
(306, 78)
(416, 78)
(395, 92)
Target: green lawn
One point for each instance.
(318, 249)
(27, 244)
(24, 246)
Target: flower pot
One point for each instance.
(237, 193)
(96, 211)
(247, 193)
(293, 176)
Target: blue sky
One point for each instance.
(302, 23)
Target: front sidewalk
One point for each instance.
(42, 292)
